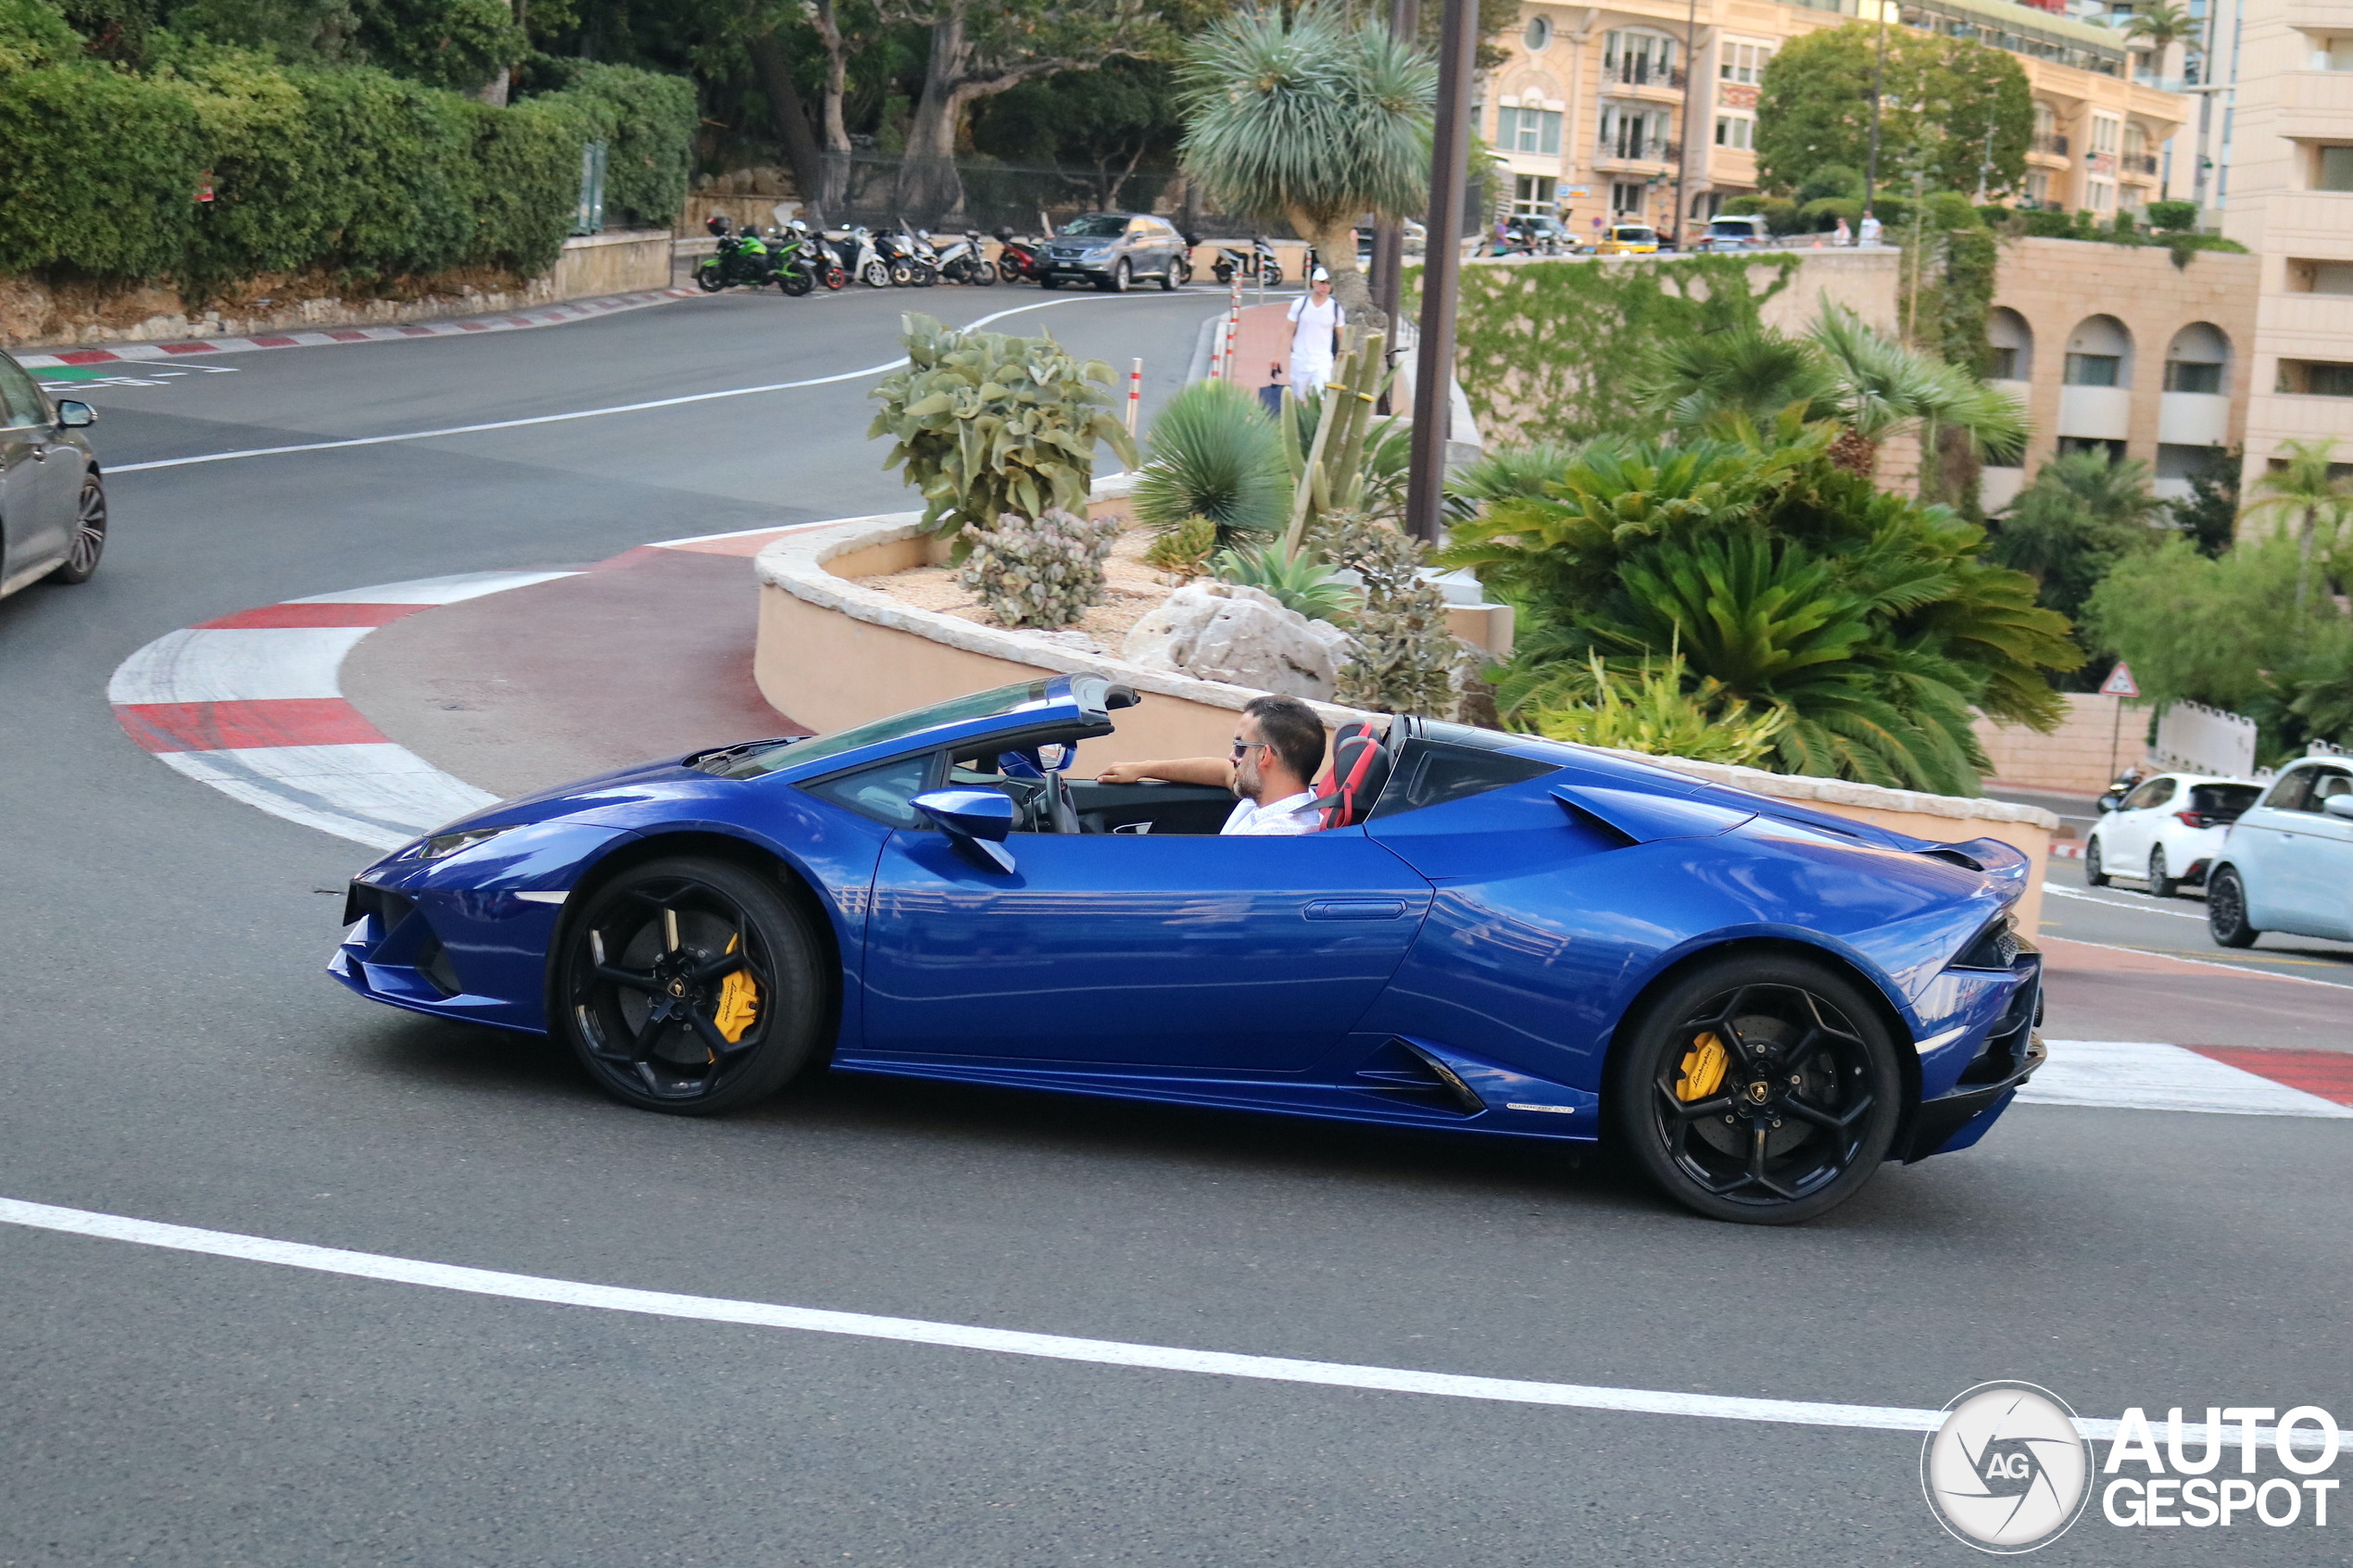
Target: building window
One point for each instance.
(1528, 130)
(1629, 130)
(1534, 195)
(1539, 36)
(2320, 277)
(1743, 62)
(2038, 187)
(1638, 60)
(2002, 365)
(2093, 369)
(2335, 169)
(2104, 134)
(1626, 198)
(2187, 375)
(2315, 378)
(2071, 445)
(1735, 131)
(2099, 195)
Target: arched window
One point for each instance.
(2198, 359)
(2013, 343)
(2099, 352)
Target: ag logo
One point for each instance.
(2008, 1471)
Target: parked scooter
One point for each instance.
(962, 261)
(1260, 264)
(1017, 259)
(815, 256)
(860, 257)
(913, 262)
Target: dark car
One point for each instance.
(53, 507)
(1491, 935)
(1111, 250)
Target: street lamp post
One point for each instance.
(1441, 268)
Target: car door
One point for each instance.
(2132, 827)
(40, 477)
(2311, 877)
(1158, 951)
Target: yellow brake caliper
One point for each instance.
(1704, 1067)
(739, 1002)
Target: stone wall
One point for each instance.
(34, 313)
(2099, 738)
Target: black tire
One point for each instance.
(643, 979)
(836, 280)
(88, 540)
(2161, 885)
(1122, 277)
(1223, 272)
(1274, 276)
(1171, 275)
(1803, 1100)
(1047, 280)
(2226, 909)
(922, 274)
(981, 275)
(707, 278)
(1008, 270)
(2094, 872)
(795, 282)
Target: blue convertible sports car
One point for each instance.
(1759, 1003)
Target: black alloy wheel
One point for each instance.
(2226, 909)
(88, 540)
(2162, 883)
(1762, 1090)
(2094, 872)
(795, 281)
(707, 277)
(690, 986)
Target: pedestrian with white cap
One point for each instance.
(1313, 323)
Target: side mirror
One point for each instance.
(2110, 802)
(2339, 805)
(976, 821)
(73, 414)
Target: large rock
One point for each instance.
(1241, 636)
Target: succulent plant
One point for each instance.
(1041, 573)
(1183, 551)
(1405, 655)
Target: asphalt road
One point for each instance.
(173, 1051)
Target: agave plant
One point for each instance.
(1302, 583)
(1213, 451)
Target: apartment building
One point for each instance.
(1598, 110)
(2279, 141)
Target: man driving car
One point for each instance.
(1279, 744)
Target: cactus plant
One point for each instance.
(1042, 573)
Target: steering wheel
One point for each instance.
(1060, 813)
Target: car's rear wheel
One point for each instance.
(2226, 909)
(1762, 1089)
(88, 540)
(2094, 872)
(2163, 884)
(690, 986)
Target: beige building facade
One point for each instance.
(1598, 110)
(2282, 145)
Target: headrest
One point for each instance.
(1360, 767)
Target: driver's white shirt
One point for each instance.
(1292, 814)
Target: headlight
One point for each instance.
(441, 846)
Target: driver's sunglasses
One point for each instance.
(1243, 747)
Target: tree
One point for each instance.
(1315, 120)
(1109, 120)
(2201, 630)
(2160, 24)
(1944, 99)
(2305, 486)
(2069, 528)
(2208, 516)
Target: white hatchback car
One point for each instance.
(2167, 832)
(2289, 864)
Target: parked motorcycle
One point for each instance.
(962, 261)
(1259, 264)
(1018, 259)
(913, 262)
(815, 256)
(742, 257)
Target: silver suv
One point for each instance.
(53, 507)
(1111, 250)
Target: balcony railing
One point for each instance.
(2050, 142)
(2140, 163)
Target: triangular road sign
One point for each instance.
(2119, 682)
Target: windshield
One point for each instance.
(1735, 227)
(1097, 226)
(767, 756)
(2222, 800)
(1635, 232)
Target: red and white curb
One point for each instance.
(548, 316)
(250, 705)
(2238, 1081)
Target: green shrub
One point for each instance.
(1657, 708)
(2044, 224)
(647, 123)
(32, 33)
(2172, 215)
(97, 172)
(986, 423)
(1213, 451)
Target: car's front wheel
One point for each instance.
(1758, 1089)
(2226, 909)
(2095, 869)
(2162, 882)
(691, 987)
(1122, 275)
(88, 540)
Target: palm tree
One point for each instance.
(1315, 120)
(2160, 26)
(2304, 485)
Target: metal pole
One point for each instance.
(1441, 268)
(1389, 234)
(1135, 395)
(1879, 81)
(1684, 143)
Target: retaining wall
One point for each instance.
(2099, 738)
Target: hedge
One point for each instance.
(352, 171)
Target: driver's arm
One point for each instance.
(1217, 771)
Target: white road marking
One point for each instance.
(2183, 958)
(434, 590)
(583, 413)
(236, 664)
(376, 794)
(1053, 1347)
(2148, 908)
(2140, 1075)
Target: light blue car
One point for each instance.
(2287, 865)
